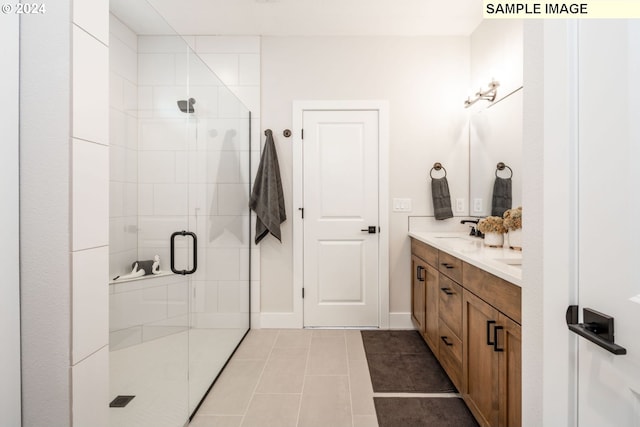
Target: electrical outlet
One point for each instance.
(459, 205)
(477, 205)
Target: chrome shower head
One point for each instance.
(186, 106)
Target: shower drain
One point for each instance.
(120, 401)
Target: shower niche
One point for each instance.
(179, 191)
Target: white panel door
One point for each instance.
(340, 163)
(609, 208)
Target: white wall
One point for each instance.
(496, 53)
(64, 173)
(44, 193)
(425, 80)
(9, 221)
(549, 282)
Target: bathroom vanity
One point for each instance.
(466, 303)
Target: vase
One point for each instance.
(494, 240)
(515, 239)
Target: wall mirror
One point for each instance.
(495, 136)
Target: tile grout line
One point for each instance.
(253, 394)
(304, 381)
(346, 351)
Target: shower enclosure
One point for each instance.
(179, 189)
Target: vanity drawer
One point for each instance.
(425, 252)
(450, 266)
(504, 296)
(450, 307)
(450, 357)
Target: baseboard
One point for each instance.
(400, 321)
(255, 321)
(291, 321)
(280, 321)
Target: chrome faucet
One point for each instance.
(474, 231)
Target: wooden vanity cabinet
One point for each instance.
(432, 333)
(492, 358)
(471, 321)
(418, 291)
(510, 370)
(424, 292)
(450, 323)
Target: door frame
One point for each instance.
(382, 107)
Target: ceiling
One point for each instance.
(321, 17)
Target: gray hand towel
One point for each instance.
(267, 197)
(441, 198)
(501, 200)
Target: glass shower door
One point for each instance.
(219, 173)
(180, 151)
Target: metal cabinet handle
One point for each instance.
(489, 323)
(444, 339)
(495, 336)
(420, 277)
(447, 291)
(447, 265)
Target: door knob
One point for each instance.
(371, 229)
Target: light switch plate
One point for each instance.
(402, 205)
(459, 205)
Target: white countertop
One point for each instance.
(502, 262)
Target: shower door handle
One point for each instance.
(194, 243)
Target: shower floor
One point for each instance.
(155, 372)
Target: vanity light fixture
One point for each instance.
(487, 95)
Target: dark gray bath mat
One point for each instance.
(401, 362)
(423, 411)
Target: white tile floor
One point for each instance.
(300, 378)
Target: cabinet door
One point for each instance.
(480, 361)
(510, 341)
(419, 275)
(432, 335)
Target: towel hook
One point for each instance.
(437, 166)
(501, 166)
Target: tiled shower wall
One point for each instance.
(200, 184)
(90, 234)
(123, 138)
(236, 61)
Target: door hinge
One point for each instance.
(303, 293)
(301, 211)
(302, 133)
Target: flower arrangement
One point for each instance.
(513, 218)
(492, 224)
